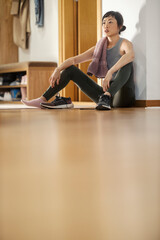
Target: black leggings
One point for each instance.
(121, 87)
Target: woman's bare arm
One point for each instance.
(83, 57)
(127, 57)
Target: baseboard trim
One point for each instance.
(147, 103)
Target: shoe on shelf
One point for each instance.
(104, 102)
(7, 96)
(58, 103)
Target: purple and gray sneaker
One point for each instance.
(58, 103)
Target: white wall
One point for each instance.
(43, 41)
(153, 52)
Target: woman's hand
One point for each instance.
(106, 81)
(55, 77)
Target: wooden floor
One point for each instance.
(80, 174)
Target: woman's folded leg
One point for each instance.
(122, 88)
(86, 84)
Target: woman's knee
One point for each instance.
(128, 67)
(70, 68)
(68, 71)
(125, 72)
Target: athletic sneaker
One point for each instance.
(59, 102)
(104, 102)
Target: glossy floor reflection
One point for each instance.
(80, 174)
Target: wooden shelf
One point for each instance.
(38, 74)
(16, 86)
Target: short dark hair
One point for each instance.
(118, 17)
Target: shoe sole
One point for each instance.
(103, 107)
(65, 106)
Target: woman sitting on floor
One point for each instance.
(111, 59)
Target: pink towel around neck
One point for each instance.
(98, 66)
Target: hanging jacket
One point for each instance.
(21, 22)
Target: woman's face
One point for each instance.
(110, 26)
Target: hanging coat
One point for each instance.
(21, 22)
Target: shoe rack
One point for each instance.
(37, 74)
